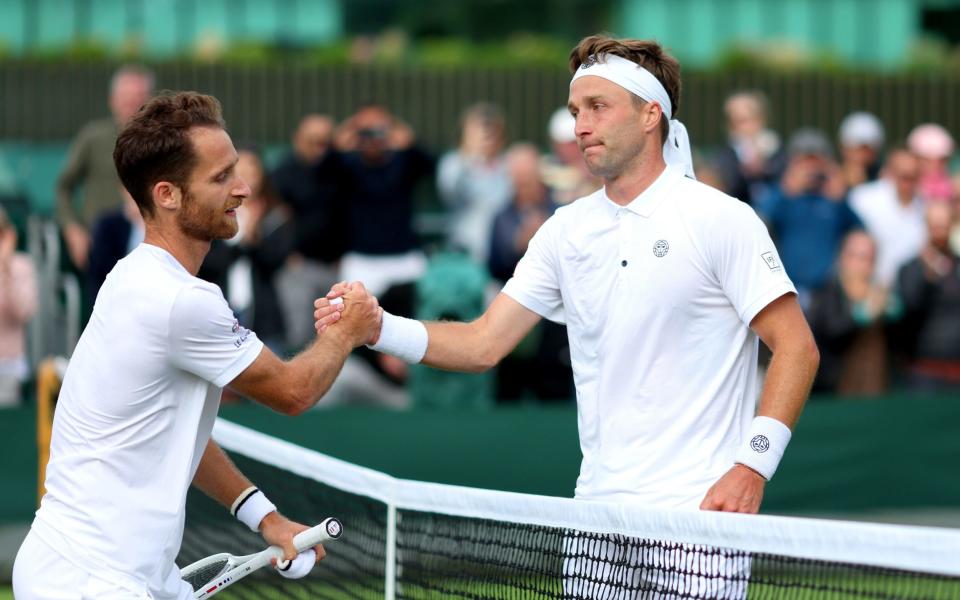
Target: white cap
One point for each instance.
(861, 129)
(562, 125)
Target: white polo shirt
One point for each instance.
(899, 231)
(657, 297)
(134, 415)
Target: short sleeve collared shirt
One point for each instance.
(657, 296)
(135, 412)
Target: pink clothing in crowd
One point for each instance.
(18, 302)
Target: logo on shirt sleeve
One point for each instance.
(771, 260)
(241, 332)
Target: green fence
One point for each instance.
(50, 101)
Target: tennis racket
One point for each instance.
(213, 574)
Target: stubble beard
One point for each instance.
(203, 225)
(615, 163)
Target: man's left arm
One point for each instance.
(783, 328)
(220, 479)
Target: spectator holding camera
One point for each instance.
(808, 213)
(380, 166)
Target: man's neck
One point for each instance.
(187, 251)
(904, 202)
(635, 180)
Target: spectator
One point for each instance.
(753, 158)
(934, 147)
(929, 287)
(540, 365)
(381, 167)
(861, 141)
(564, 170)
(847, 319)
(531, 205)
(473, 180)
(893, 214)
(90, 164)
(115, 234)
(308, 182)
(808, 212)
(955, 230)
(18, 302)
(246, 265)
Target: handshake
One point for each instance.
(349, 311)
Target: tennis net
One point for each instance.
(406, 539)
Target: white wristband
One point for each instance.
(402, 337)
(764, 445)
(250, 507)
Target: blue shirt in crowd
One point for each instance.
(808, 230)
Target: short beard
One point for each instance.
(199, 226)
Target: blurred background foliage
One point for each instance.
(833, 36)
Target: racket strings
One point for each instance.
(205, 573)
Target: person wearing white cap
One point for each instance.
(861, 142)
(666, 287)
(564, 170)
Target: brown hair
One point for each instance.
(647, 53)
(155, 145)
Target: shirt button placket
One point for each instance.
(623, 227)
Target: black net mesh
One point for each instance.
(441, 556)
(354, 566)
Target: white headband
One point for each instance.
(637, 80)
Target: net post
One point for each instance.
(390, 570)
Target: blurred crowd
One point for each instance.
(866, 227)
(868, 230)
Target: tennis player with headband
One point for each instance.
(139, 399)
(666, 287)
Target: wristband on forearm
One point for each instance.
(763, 447)
(401, 337)
(251, 506)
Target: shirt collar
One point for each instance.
(647, 202)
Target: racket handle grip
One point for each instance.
(329, 529)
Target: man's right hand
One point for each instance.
(360, 314)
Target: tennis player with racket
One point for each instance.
(140, 396)
(666, 287)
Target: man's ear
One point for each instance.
(651, 117)
(167, 195)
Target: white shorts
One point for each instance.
(42, 573)
(618, 567)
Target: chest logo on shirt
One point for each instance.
(760, 443)
(771, 259)
(661, 248)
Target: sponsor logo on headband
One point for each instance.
(591, 60)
